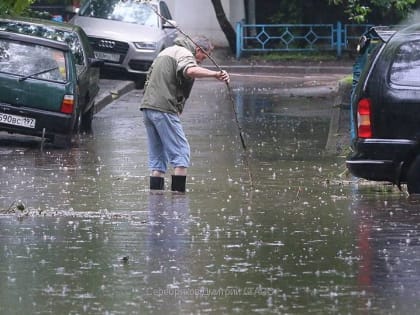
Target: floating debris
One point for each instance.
(16, 206)
(19, 208)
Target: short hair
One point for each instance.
(204, 43)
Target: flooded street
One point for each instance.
(273, 229)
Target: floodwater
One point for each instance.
(270, 229)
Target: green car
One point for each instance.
(49, 79)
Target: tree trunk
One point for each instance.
(225, 24)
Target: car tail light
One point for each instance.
(67, 105)
(364, 128)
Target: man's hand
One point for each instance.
(223, 76)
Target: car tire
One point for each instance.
(78, 123)
(139, 81)
(62, 141)
(413, 177)
(86, 125)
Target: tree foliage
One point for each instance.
(361, 11)
(14, 7)
(331, 11)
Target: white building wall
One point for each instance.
(197, 17)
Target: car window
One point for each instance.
(78, 53)
(70, 38)
(122, 10)
(405, 68)
(29, 60)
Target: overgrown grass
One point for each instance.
(347, 80)
(295, 56)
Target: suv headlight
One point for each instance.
(146, 45)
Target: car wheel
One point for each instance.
(62, 141)
(413, 177)
(139, 81)
(78, 123)
(87, 120)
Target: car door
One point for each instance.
(82, 72)
(91, 72)
(87, 76)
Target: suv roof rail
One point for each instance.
(384, 33)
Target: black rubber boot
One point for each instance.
(178, 183)
(156, 182)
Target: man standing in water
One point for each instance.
(168, 86)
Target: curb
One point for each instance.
(322, 69)
(109, 91)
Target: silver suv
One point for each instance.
(127, 34)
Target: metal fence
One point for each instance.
(297, 37)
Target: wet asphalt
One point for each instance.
(82, 233)
(257, 232)
(304, 79)
(307, 80)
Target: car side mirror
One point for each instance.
(363, 44)
(169, 24)
(96, 63)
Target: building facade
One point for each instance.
(197, 17)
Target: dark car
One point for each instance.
(87, 67)
(385, 111)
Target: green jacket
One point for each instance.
(167, 87)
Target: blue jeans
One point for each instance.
(166, 141)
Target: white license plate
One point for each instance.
(17, 120)
(107, 56)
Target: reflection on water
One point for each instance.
(93, 239)
(388, 252)
(283, 126)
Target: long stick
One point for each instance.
(241, 136)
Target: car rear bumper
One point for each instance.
(381, 159)
(53, 122)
